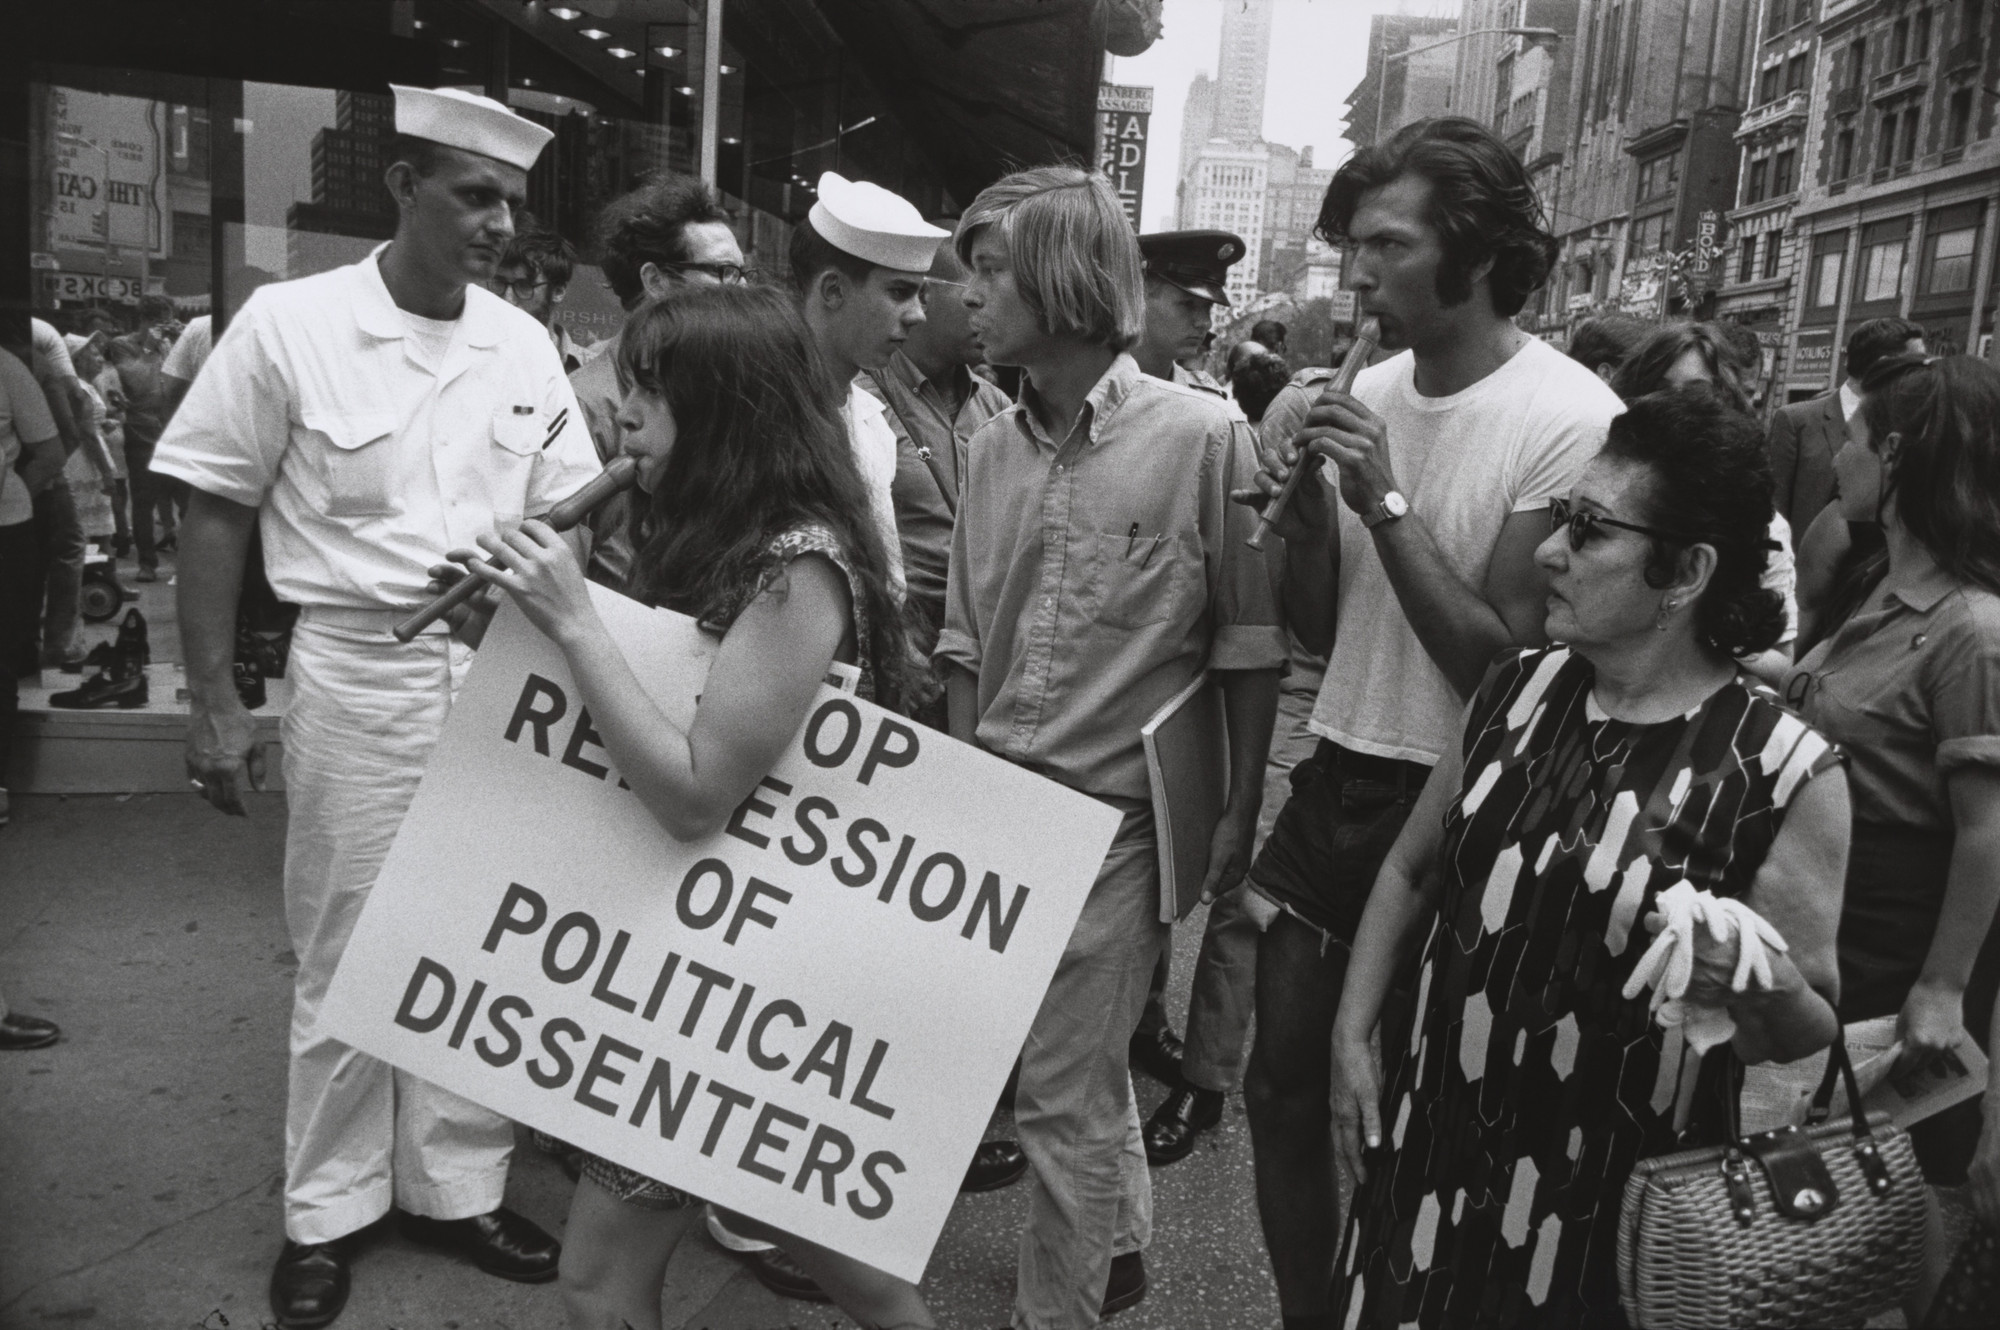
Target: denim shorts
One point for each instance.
(1345, 811)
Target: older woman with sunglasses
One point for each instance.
(1594, 775)
(1909, 685)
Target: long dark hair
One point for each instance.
(760, 449)
(1645, 369)
(1946, 478)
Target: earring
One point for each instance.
(1665, 614)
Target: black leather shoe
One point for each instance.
(98, 657)
(1186, 1114)
(116, 685)
(1158, 1055)
(132, 637)
(783, 1276)
(995, 1164)
(309, 1283)
(20, 1033)
(500, 1243)
(1127, 1285)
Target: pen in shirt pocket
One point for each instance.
(1149, 550)
(1131, 536)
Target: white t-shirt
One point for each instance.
(52, 360)
(1781, 575)
(874, 442)
(1466, 463)
(190, 350)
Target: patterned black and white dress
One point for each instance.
(1528, 1086)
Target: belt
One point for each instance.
(372, 620)
(1347, 764)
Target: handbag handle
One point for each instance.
(1865, 1151)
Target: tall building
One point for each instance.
(1240, 70)
(1898, 177)
(1226, 192)
(1225, 163)
(348, 196)
(1649, 158)
(1197, 122)
(1520, 87)
(1398, 90)
(1759, 256)
(1293, 192)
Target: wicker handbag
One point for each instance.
(1814, 1226)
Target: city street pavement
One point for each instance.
(143, 1152)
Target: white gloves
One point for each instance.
(1668, 964)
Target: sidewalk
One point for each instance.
(143, 1151)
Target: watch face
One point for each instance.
(1395, 504)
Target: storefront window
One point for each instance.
(120, 193)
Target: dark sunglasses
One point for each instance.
(1562, 513)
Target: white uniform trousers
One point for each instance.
(360, 1134)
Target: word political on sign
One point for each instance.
(804, 1016)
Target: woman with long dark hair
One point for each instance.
(1909, 686)
(756, 525)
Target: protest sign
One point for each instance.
(807, 1016)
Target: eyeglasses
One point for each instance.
(1562, 513)
(728, 274)
(524, 289)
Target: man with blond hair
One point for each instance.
(1097, 568)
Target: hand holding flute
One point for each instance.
(464, 587)
(1286, 463)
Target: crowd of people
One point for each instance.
(1544, 636)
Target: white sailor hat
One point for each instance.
(870, 223)
(466, 120)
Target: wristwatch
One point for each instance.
(1393, 506)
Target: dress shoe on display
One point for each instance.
(995, 1164)
(1158, 1055)
(500, 1243)
(1127, 1285)
(97, 658)
(21, 1033)
(132, 637)
(1187, 1112)
(309, 1283)
(120, 682)
(784, 1276)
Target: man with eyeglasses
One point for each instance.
(533, 276)
(859, 262)
(656, 240)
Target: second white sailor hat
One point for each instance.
(871, 223)
(466, 120)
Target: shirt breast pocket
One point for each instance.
(356, 455)
(517, 437)
(1138, 581)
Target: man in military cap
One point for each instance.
(369, 420)
(1185, 273)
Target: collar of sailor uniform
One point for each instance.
(378, 315)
